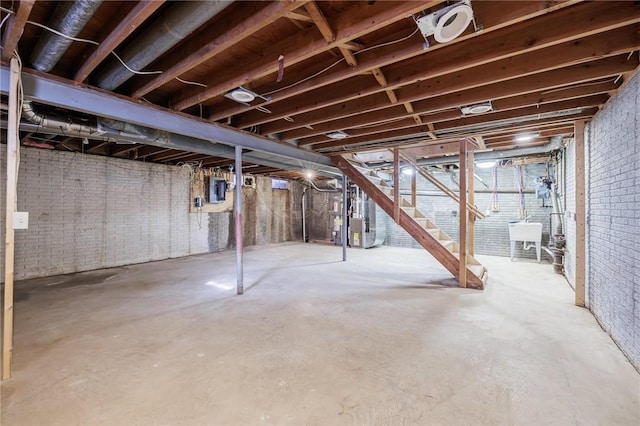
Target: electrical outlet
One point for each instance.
(20, 220)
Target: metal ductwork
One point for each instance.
(63, 125)
(180, 20)
(69, 18)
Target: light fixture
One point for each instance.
(339, 134)
(485, 164)
(309, 174)
(526, 137)
(241, 95)
(477, 108)
(407, 171)
(447, 23)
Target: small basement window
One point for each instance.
(217, 190)
(279, 184)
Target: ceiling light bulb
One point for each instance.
(526, 137)
(485, 164)
(408, 171)
(337, 135)
(242, 95)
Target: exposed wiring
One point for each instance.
(388, 43)
(84, 40)
(132, 70)
(304, 79)
(190, 82)
(3, 20)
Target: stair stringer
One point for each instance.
(447, 258)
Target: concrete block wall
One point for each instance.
(492, 233)
(613, 218)
(89, 212)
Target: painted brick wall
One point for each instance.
(569, 192)
(492, 233)
(613, 220)
(90, 212)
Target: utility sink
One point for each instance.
(526, 232)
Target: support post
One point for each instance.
(414, 188)
(344, 231)
(580, 213)
(238, 219)
(462, 255)
(9, 253)
(471, 200)
(396, 185)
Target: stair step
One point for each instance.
(422, 221)
(477, 270)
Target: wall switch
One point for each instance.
(20, 220)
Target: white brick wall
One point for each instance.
(569, 189)
(492, 233)
(613, 219)
(89, 212)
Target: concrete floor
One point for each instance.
(382, 339)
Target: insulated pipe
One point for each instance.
(180, 20)
(69, 18)
(238, 218)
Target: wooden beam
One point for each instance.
(480, 142)
(414, 188)
(396, 185)
(462, 255)
(241, 26)
(408, 128)
(580, 213)
(13, 159)
(299, 15)
(505, 96)
(357, 20)
(471, 200)
(14, 28)
(320, 21)
(511, 13)
(411, 84)
(97, 147)
(140, 13)
(348, 56)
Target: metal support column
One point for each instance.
(344, 230)
(238, 219)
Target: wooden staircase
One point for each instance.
(425, 232)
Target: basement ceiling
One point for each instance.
(333, 77)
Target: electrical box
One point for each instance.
(20, 220)
(217, 190)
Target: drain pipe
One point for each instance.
(69, 18)
(180, 20)
(304, 215)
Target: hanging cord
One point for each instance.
(494, 197)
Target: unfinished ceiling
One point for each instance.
(334, 77)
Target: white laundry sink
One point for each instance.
(526, 232)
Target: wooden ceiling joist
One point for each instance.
(361, 18)
(14, 28)
(140, 13)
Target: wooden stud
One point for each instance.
(471, 200)
(414, 188)
(348, 56)
(320, 21)
(396, 185)
(11, 193)
(580, 214)
(462, 255)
